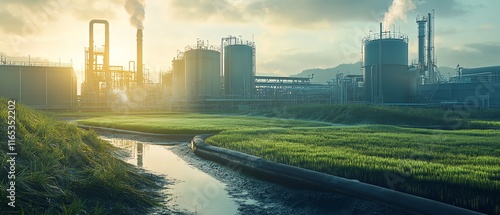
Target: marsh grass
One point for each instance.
(457, 167)
(61, 169)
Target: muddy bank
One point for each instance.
(255, 196)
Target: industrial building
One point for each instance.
(114, 87)
(389, 79)
(46, 86)
(471, 87)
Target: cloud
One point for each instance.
(471, 55)
(25, 17)
(444, 8)
(204, 10)
(300, 13)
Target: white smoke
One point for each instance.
(121, 96)
(137, 13)
(397, 11)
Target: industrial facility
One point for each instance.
(45, 86)
(388, 77)
(113, 87)
(210, 77)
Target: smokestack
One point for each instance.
(421, 44)
(140, 69)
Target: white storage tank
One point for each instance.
(239, 69)
(202, 64)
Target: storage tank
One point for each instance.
(202, 65)
(239, 69)
(178, 78)
(385, 68)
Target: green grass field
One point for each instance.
(459, 167)
(387, 115)
(62, 169)
(193, 123)
(456, 167)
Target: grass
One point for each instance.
(459, 167)
(61, 169)
(456, 167)
(184, 123)
(389, 115)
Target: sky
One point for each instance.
(290, 36)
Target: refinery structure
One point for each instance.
(224, 76)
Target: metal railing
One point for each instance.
(29, 63)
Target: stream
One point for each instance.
(193, 191)
(198, 186)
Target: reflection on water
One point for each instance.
(193, 191)
(140, 148)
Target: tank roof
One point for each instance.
(386, 36)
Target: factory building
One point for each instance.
(472, 88)
(45, 86)
(108, 87)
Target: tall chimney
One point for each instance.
(421, 44)
(140, 70)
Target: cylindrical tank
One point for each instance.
(202, 74)
(238, 70)
(413, 75)
(385, 68)
(178, 79)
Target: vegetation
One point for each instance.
(454, 118)
(183, 123)
(459, 167)
(61, 169)
(456, 167)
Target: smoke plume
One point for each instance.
(136, 10)
(398, 11)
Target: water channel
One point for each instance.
(192, 191)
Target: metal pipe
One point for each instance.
(379, 71)
(140, 68)
(429, 49)
(92, 84)
(371, 83)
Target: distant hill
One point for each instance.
(327, 74)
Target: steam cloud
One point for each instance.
(397, 11)
(137, 13)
